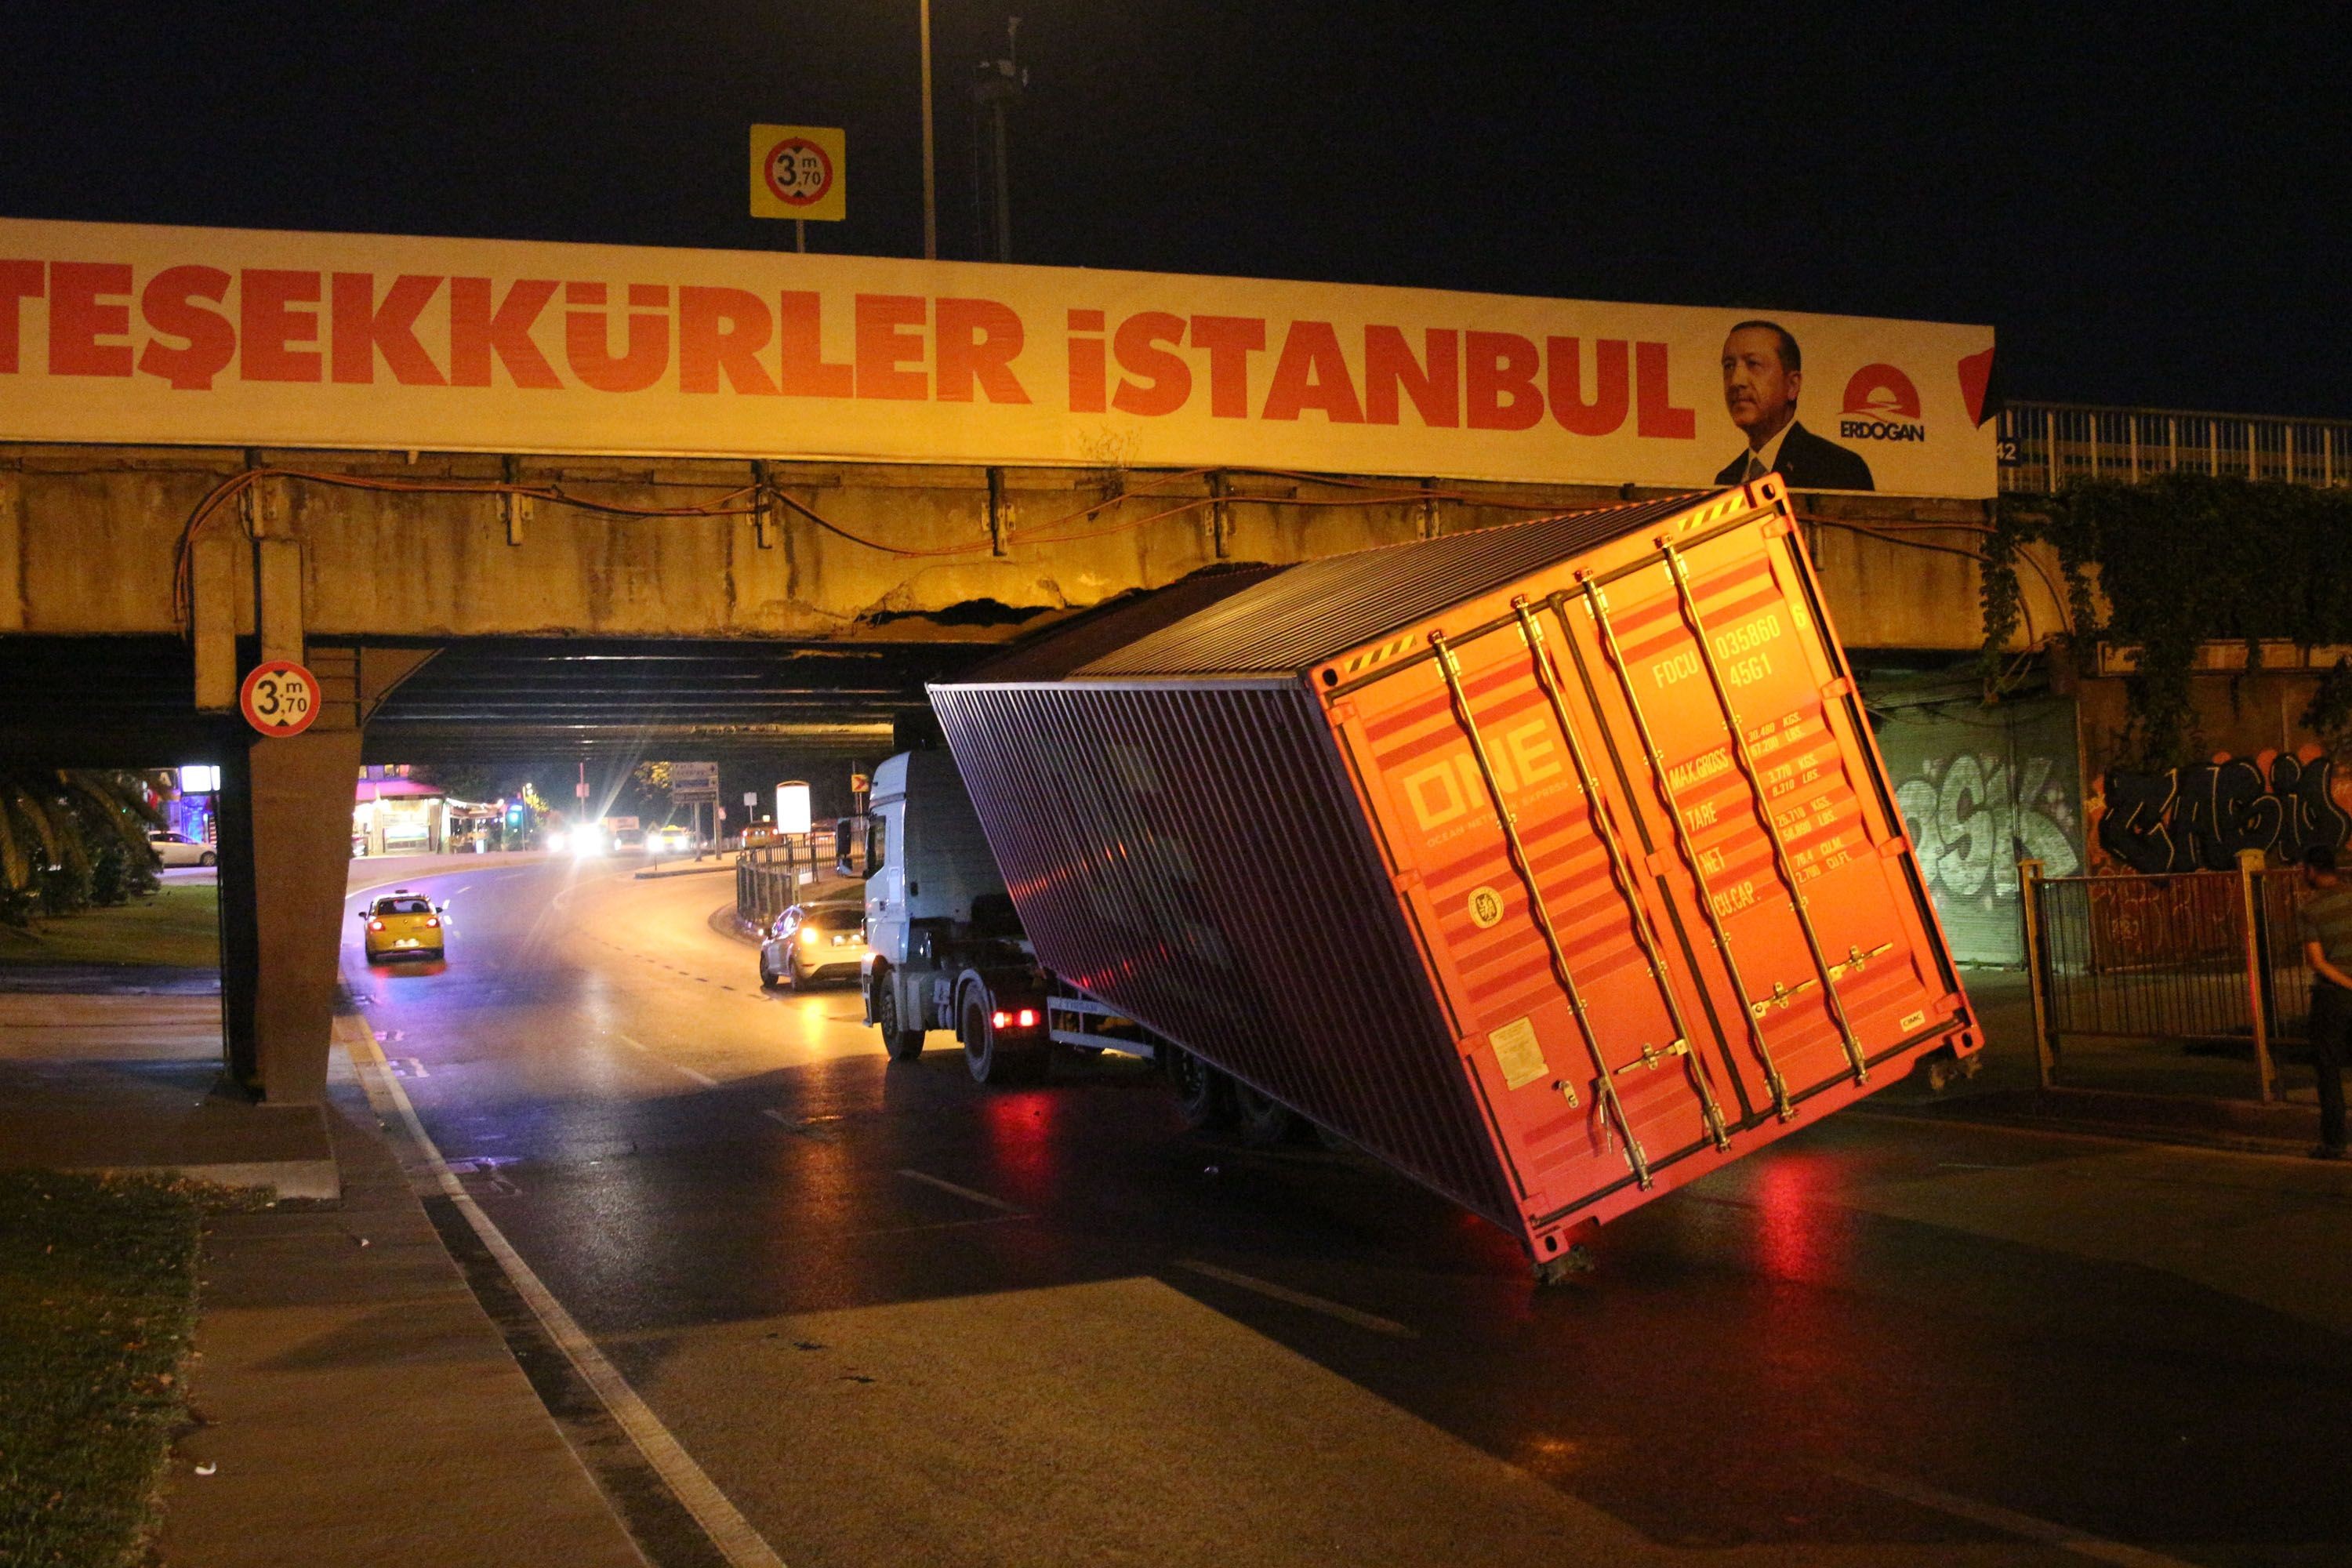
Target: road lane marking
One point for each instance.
(1268, 1288)
(2019, 1524)
(931, 1181)
(937, 1225)
(729, 1532)
(705, 1079)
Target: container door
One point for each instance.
(1577, 1025)
(1752, 764)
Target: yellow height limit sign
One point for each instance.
(797, 172)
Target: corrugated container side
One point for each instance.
(1194, 855)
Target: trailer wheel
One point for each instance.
(1578, 1259)
(1263, 1121)
(989, 1064)
(903, 1045)
(1204, 1094)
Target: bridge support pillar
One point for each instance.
(285, 851)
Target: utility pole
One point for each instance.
(996, 88)
(930, 186)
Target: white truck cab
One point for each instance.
(927, 862)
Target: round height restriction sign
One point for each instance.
(798, 171)
(279, 697)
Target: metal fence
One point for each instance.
(2199, 956)
(2044, 445)
(769, 876)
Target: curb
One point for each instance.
(2182, 1120)
(313, 1180)
(728, 924)
(688, 871)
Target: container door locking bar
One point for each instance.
(1679, 569)
(1598, 605)
(1620, 872)
(1605, 1081)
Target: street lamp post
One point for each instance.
(930, 192)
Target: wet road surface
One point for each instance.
(894, 1316)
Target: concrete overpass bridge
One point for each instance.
(508, 499)
(460, 606)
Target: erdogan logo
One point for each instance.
(1880, 405)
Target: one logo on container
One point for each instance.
(1880, 405)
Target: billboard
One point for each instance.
(150, 335)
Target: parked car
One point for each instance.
(671, 838)
(179, 850)
(811, 943)
(402, 924)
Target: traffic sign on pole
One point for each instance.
(796, 172)
(279, 697)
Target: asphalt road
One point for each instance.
(895, 1316)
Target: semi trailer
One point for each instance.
(1551, 864)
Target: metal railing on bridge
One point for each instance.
(2195, 959)
(2043, 445)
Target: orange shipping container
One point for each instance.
(1553, 863)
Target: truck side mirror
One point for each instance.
(841, 865)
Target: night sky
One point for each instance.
(2150, 211)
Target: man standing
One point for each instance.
(2326, 923)
(1762, 370)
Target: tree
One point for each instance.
(650, 784)
(73, 836)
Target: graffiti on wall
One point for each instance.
(2197, 819)
(1970, 826)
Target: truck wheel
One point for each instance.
(1263, 1122)
(1204, 1094)
(990, 1065)
(903, 1045)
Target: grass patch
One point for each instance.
(179, 926)
(98, 1302)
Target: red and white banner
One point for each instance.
(144, 335)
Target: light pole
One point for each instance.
(930, 190)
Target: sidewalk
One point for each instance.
(130, 1080)
(2157, 1090)
(361, 1407)
(357, 1406)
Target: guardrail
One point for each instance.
(2043, 445)
(2191, 957)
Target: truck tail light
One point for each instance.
(1028, 1017)
(999, 1019)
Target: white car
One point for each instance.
(810, 942)
(179, 850)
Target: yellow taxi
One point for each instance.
(402, 924)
